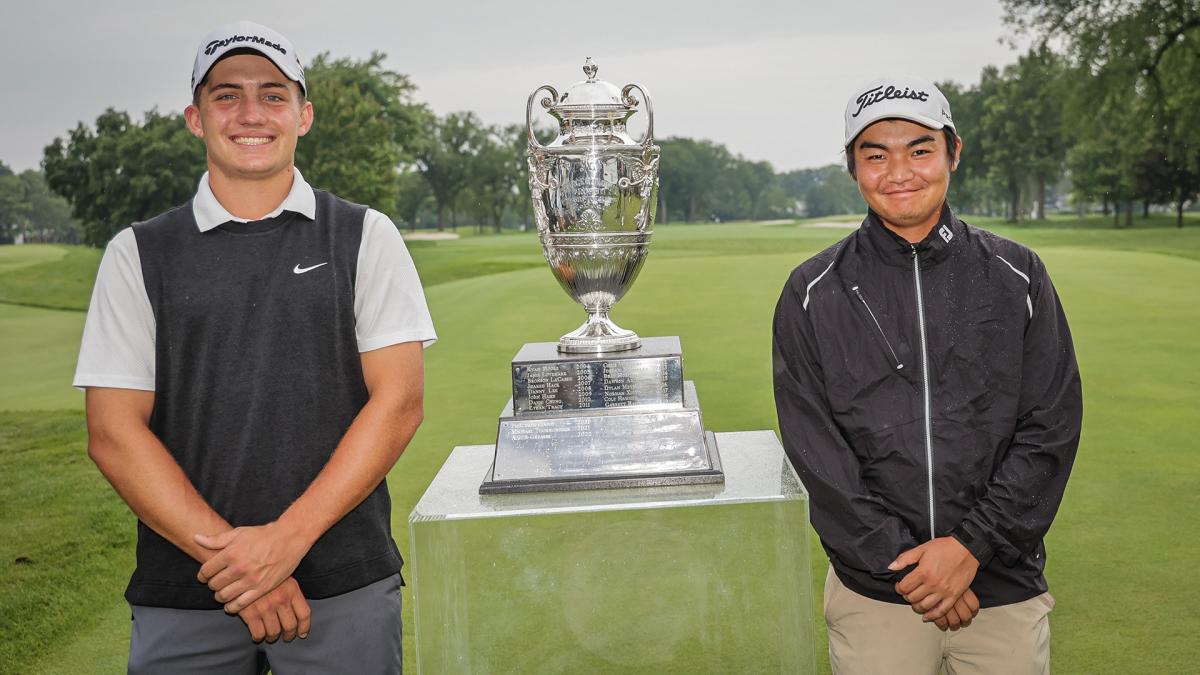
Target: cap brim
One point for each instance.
(283, 67)
(924, 121)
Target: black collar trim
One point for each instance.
(894, 249)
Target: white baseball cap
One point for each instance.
(891, 97)
(247, 35)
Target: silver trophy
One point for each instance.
(601, 408)
(594, 190)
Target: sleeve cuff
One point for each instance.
(425, 337)
(85, 380)
(973, 539)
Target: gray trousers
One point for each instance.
(356, 632)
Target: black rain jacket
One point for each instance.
(928, 390)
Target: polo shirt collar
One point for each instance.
(210, 214)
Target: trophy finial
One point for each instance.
(590, 69)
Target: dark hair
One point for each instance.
(951, 137)
(234, 52)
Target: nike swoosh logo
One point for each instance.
(301, 270)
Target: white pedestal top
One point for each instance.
(755, 470)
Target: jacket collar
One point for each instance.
(210, 214)
(895, 250)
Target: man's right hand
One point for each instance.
(961, 614)
(281, 612)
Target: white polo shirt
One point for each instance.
(118, 335)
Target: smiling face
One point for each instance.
(249, 115)
(903, 172)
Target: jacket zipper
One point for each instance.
(899, 366)
(925, 386)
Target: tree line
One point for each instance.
(1108, 118)
(30, 212)
(374, 143)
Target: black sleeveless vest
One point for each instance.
(257, 377)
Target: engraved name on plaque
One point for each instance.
(665, 441)
(590, 421)
(547, 386)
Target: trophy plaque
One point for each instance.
(602, 407)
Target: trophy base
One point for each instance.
(598, 335)
(604, 448)
(712, 474)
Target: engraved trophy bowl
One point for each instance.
(594, 190)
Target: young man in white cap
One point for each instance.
(929, 398)
(253, 367)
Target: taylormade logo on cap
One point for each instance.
(896, 97)
(247, 35)
(212, 46)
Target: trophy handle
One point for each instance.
(546, 103)
(648, 140)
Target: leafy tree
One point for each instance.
(834, 192)
(756, 179)
(1014, 142)
(1097, 170)
(1036, 86)
(123, 172)
(1161, 176)
(14, 204)
(29, 209)
(1132, 36)
(444, 157)
(972, 189)
(1176, 136)
(494, 177)
(690, 174)
(412, 193)
(366, 125)
(1138, 65)
(824, 191)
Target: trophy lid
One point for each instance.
(592, 112)
(591, 98)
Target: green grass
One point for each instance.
(38, 349)
(58, 283)
(1120, 554)
(16, 257)
(66, 541)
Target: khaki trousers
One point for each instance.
(867, 637)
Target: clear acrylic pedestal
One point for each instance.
(688, 578)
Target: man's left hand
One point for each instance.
(251, 562)
(945, 570)
(284, 612)
(961, 614)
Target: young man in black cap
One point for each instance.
(253, 367)
(929, 398)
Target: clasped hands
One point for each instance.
(939, 589)
(250, 573)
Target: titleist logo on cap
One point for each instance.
(217, 44)
(872, 96)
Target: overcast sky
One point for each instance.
(767, 78)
